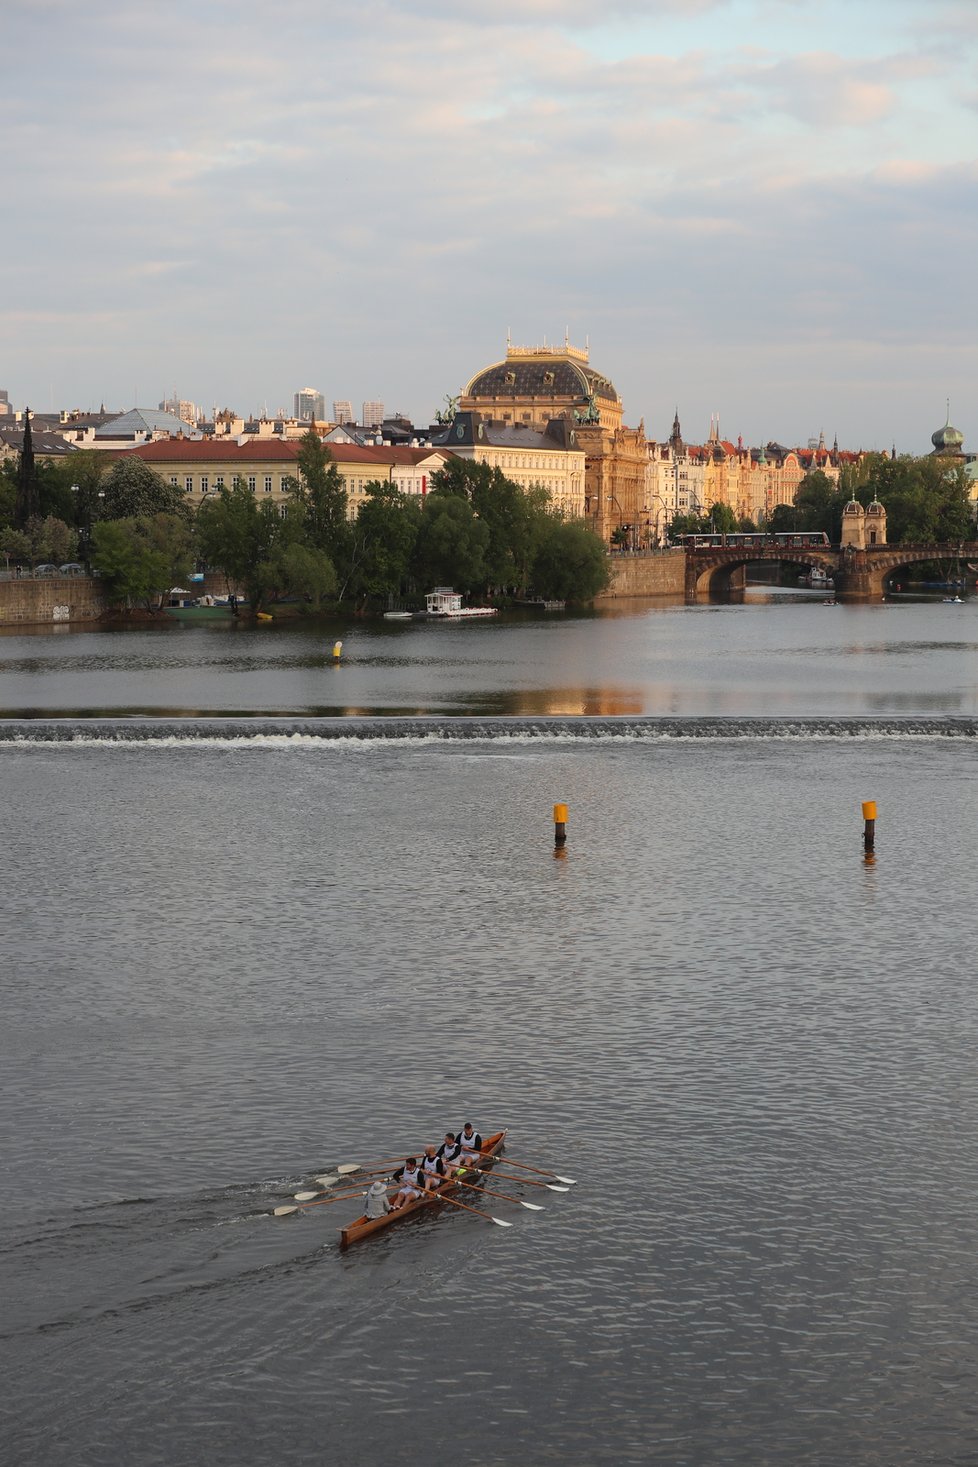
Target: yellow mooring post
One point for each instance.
(869, 827)
(337, 651)
(560, 825)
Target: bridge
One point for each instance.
(858, 575)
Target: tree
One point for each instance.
(51, 539)
(237, 535)
(687, 524)
(384, 537)
(926, 499)
(514, 516)
(320, 494)
(451, 546)
(571, 563)
(293, 569)
(723, 521)
(131, 488)
(141, 557)
(28, 504)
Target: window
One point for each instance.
(252, 481)
(203, 483)
(173, 480)
(219, 482)
(188, 483)
(268, 483)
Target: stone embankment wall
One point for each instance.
(49, 601)
(647, 573)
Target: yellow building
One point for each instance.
(535, 385)
(548, 457)
(199, 467)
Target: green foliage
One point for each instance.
(238, 535)
(515, 517)
(571, 563)
(452, 544)
(48, 539)
(320, 496)
(70, 486)
(132, 488)
(926, 499)
(383, 543)
(293, 569)
(687, 524)
(140, 558)
(722, 519)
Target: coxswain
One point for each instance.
(470, 1144)
(450, 1152)
(432, 1169)
(377, 1203)
(412, 1183)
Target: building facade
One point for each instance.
(550, 458)
(309, 406)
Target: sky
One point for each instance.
(761, 209)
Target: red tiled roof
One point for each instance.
(217, 450)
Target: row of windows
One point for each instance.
(206, 487)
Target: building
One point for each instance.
(533, 386)
(267, 464)
(5, 409)
(342, 412)
(46, 445)
(373, 414)
(550, 457)
(309, 406)
(180, 407)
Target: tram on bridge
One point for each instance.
(780, 539)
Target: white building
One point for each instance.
(373, 414)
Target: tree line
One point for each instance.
(927, 502)
(476, 530)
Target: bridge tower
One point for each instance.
(853, 526)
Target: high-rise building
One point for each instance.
(309, 405)
(180, 408)
(342, 412)
(4, 402)
(373, 414)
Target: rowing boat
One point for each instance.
(362, 1227)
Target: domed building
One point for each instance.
(948, 442)
(533, 386)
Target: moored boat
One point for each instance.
(444, 604)
(363, 1227)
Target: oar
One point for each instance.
(525, 1181)
(466, 1208)
(318, 1202)
(530, 1206)
(524, 1168)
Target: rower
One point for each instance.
(450, 1152)
(470, 1143)
(432, 1169)
(412, 1184)
(377, 1203)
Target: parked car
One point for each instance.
(73, 568)
(47, 570)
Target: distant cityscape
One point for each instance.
(541, 414)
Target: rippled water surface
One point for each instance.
(779, 653)
(228, 965)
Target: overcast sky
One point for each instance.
(761, 208)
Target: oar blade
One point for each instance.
(551, 1188)
(532, 1206)
(284, 1211)
(347, 1168)
(498, 1221)
(569, 1180)
(304, 1196)
(327, 1181)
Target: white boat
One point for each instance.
(444, 604)
(399, 616)
(818, 579)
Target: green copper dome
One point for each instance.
(947, 439)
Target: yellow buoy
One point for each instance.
(337, 650)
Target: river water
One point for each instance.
(236, 953)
